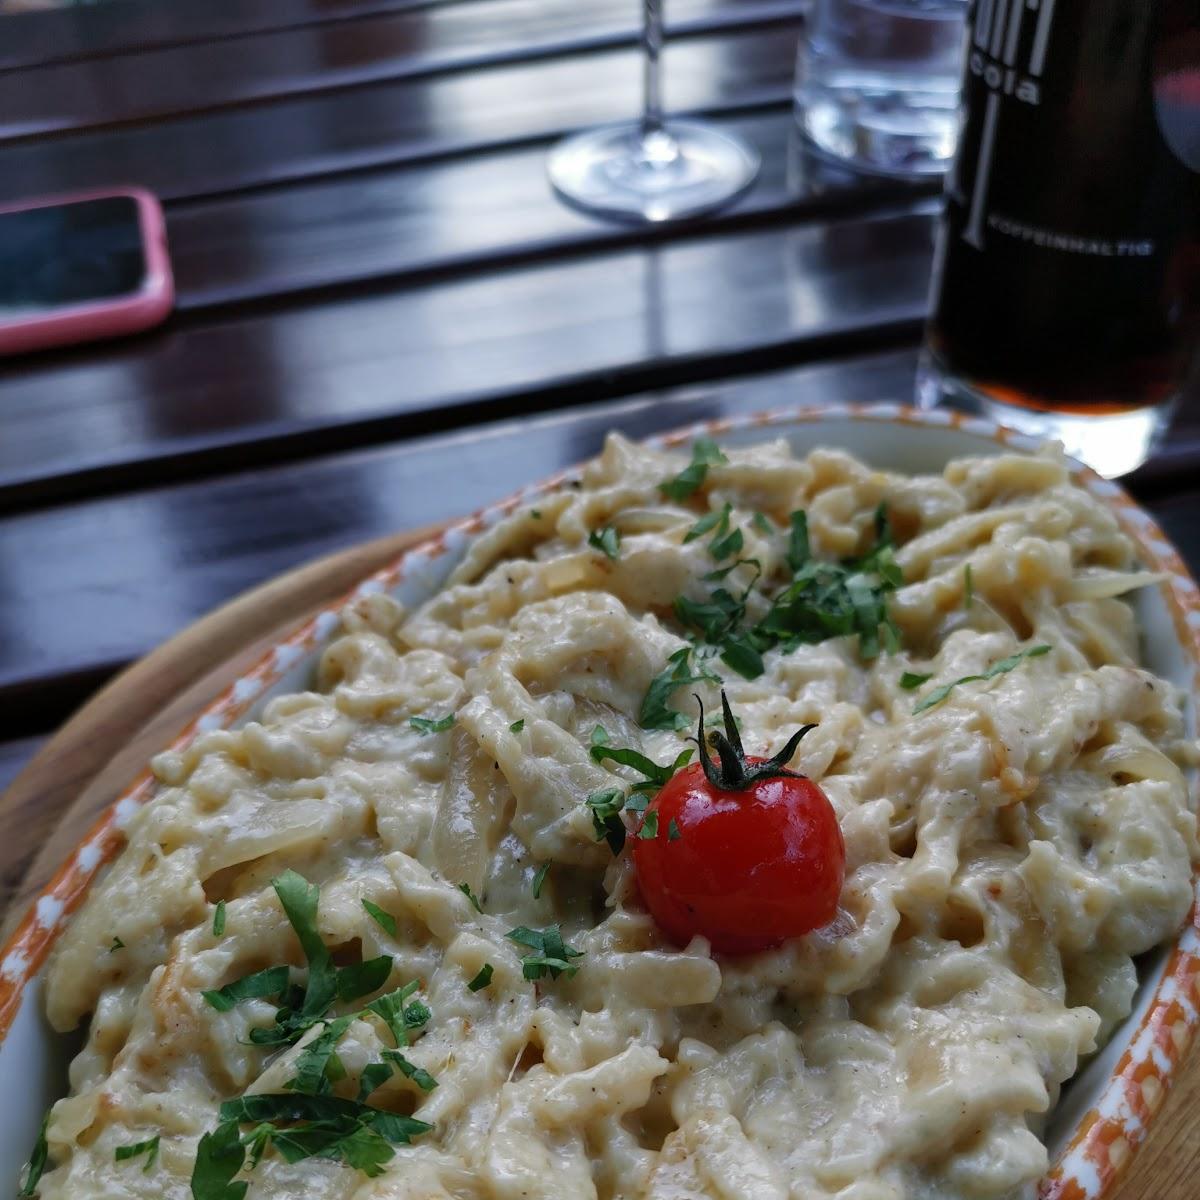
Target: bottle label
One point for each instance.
(1010, 72)
(1067, 269)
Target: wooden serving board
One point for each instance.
(88, 763)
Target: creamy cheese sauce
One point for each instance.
(1008, 852)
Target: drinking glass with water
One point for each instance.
(877, 83)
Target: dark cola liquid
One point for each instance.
(1068, 267)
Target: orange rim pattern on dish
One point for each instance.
(1108, 1133)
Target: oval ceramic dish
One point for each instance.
(1104, 1113)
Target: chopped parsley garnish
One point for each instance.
(726, 541)
(149, 1148)
(418, 1075)
(416, 1016)
(822, 600)
(655, 714)
(673, 834)
(289, 1025)
(219, 1157)
(607, 541)
(302, 1007)
(465, 888)
(432, 725)
(313, 1060)
(535, 514)
(655, 776)
(762, 524)
(335, 1069)
(273, 1107)
(374, 1075)
(717, 618)
(517, 726)
(363, 978)
(218, 925)
(717, 520)
(705, 453)
(739, 653)
(998, 668)
(828, 599)
(400, 1016)
(317, 1065)
(297, 1126)
(912, 680)
(606, 806)
(724, 572)
(968, 587)
(384, 920)
(649, 827)
(798, 551)
(37, 1160)
(482, 979)
(257, 1141)
(299, 900)
(117, 944)
(550, 954)
(883, 525)
(540, 878)
(271, 982)
(727, 546)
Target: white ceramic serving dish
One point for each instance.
(1104, 1112)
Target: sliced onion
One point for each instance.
(650, 520)
(1113, 583)
(1137, 762)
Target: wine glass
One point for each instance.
(654, 169)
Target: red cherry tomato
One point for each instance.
(749, 868)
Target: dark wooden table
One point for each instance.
(384, 317)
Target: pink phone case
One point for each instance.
(100, 318)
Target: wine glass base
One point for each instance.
(680, 170)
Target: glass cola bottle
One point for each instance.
(1065, 294)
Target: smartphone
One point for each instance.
(78, 268)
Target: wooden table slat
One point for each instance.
(74, 32)
(395, 121)
(404, 44)
(468, 213)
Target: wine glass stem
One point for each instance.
(652, 40)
